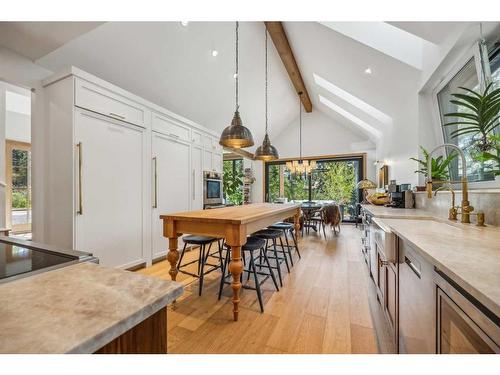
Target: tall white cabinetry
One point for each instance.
(109, 188)
(114, 163)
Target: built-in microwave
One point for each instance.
(212, 188)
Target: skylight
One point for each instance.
(385, 38)
(351, 99)
(370, 129)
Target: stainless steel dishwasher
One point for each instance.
(417, 302)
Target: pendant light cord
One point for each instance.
(237, 75)
(300, 128)
(265, 30)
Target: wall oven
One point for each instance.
(212, 189)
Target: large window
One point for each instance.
(233, 181)
(334, 180)
(467, 77)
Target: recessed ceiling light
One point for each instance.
(184, 23)
(215, 52)
(368, 71)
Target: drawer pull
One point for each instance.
(413, 267)
(173, 135)
(118, 116)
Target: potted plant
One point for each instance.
(477, 115)
(440, 170)
(493, 156)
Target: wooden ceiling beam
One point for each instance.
(240, 152)
(278, 36)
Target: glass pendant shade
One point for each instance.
(266, 151)
(236, 135)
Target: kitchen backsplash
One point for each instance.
(487, 201)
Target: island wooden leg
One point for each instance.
(173, 257)
(236, 268)
(296, 221)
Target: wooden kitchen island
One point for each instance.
(231, 223)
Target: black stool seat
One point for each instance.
(282, 226)
(268, 234)
(253, 243)
(198, 240)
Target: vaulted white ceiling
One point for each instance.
(172, 65)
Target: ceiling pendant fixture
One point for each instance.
(300, 167)
(236, 135)
(266, 151)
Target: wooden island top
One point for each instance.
(233, 224)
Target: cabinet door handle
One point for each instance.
(80, 177)
(116, 115)
(155, 183)
(173, 135)
(413, 267)
(194, 185)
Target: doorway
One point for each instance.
(15, 111)
(18, 189)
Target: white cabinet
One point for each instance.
(212, 154)
(217, 162)
(102, 148)
(100, 100)
(109, 189)
(196, 177)
(172, 163)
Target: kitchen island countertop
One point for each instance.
(77, 309)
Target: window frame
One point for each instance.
(471, 53)
(362, 157)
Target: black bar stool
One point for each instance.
(253, 244)
(202, 242)
(287, 228)
(271, 234)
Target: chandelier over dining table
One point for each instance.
(300, 166)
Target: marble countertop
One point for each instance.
(468, 254)
(77, 309)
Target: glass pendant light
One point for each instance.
(266, 151)
(300, 167)
(236, 135)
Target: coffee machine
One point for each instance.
(402, 196)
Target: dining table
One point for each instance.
(309, 208)
(233, 224)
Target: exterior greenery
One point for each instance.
(233, 181)
(332, 180)
(20, 162)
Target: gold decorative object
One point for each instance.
(366, 184)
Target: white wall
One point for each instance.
(21, 71)
(320, 136)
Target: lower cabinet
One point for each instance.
(462, 328)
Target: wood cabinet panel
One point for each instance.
(148, 337)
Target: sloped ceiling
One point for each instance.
(172, 66)
(36, 39)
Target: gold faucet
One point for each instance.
(465, 209)
(452, 212)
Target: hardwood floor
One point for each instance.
(323, 307)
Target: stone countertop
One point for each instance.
(77, 309)
(397, 213)
(468, 254)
